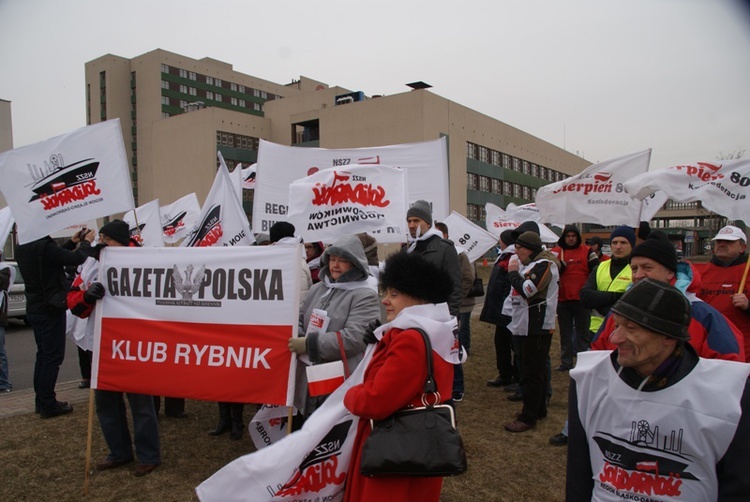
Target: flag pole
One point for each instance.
(744, 276)
(289, 420)
(88, 442)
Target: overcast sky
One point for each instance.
(602, 78)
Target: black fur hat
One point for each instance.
(411, 274)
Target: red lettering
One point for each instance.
(212, 237)
(640, 482)
(364, 194)
(68, 195)
(315, 478)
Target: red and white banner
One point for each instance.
(469, 237)
(721, 186)
(6, 225)
(222, 221)
(324, 378)
(596, 195)
(279, 166)
(356, 199)
(310, 464)
(210, 324)
(145, 224)
(499, 220)
(79, 176)
(179, 217)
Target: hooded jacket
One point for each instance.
(712, 335)
(351, 303)
(576, 263)
(498, 289)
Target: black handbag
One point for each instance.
(416, 442)
(477, 289)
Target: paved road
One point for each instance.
(21, 349)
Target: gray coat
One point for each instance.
(350, 311)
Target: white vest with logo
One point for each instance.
(661, 445)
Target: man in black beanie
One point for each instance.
(651, 418)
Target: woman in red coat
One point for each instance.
(415, 296)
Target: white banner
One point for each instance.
(248, 177)
(721, 186)
(235, 176)
(145, 224)
(278, 166)
(179, 217)
(596, 195)
(79, 176)
(6, 225)
(499, 220)
(310, 464)
(269, 425)
(210, 324)
(339, 201)
(68, 232)
(468, 237)
(222, 221)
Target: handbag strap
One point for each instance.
(343, 354)
(429, 385)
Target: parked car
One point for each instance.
(17, 296)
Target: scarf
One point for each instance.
(414, 240)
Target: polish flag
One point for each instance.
(647, 466)
(324, 378)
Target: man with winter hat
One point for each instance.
(721, 278)
(577, 261)
(281, 233)
(533, 273)
(427, 241)
(651, 420)
(712, 335)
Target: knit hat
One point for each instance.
(526, 226)
(420, 209)
(657, 306)
(658, 248)
(530, 240)
(595, 240)
(281, 229)
(117, 230)
(411, 274)
(730, 233)
(507, 237)
(623, 231)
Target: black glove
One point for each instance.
(94, 293)
(370, 331)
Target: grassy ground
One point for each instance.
(44, 459)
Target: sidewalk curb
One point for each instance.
(21, 402)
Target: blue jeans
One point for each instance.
(49, 334)
(111, 411)
(464, 336)
(4, 377)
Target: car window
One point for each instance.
(19, 277)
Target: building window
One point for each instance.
(472, 151)
(165, 100)
(209, 95)
(242, 89)
(256, 107)
(506, 161)
(242, 103)
(507, 188)
(218, 97)
(164, 115)
(533, 194)
(472, 212)
(497, 186)
(210, 80)
(256, 93)
(183, 73)
(164, 68)
(233, 86)
(193, 91)
(183, 89)
(484, 184)
(484, 154)
(471, 181)
(496, 158)
(191, 75)
(535, 170)
(164, 84)
(517, 190)
(516, 164)
(263, 95)
(525, 167)
(183, 104)
(234, 101)
(218, 82)
(527, 192)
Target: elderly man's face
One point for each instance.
(643, 267)
(638, 347)
(727, 251)
(415, 223)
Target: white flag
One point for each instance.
(145, 224)
(499, 220)
(248, 177)
(279, 166)
(79, 176)
(597, 195)
(269, 425)
(469, 237)
(235, 176)
(179, 217)
(722, 186)
(6, 225)
(222, 221)
(349, 200)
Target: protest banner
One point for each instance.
(337, 201)
(721, 186)
(499, 220)
(209, 324)
(469, 237)
(596, 195)
(6, 225)
(309, 464)
(222, 221)
(62, 181)
(268, 425)
(145, 224)
(179, 217)
(278, 166)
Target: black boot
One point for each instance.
(237, 424)
(225, 424)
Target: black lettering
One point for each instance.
(125, 282)
(137, 281)
(169, 289)
(244, 277)
(259, 286)
(219, 284)
(276, 287)
(158, 272)
(231, 292)
(147, 282)
(112, 281)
